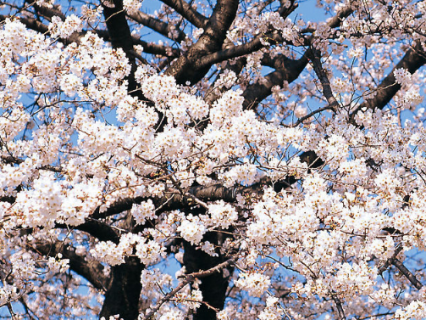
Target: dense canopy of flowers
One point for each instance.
(296, 193)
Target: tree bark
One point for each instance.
(123, 296)
(214, 286)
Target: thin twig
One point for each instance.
(187, 279)
(339, 306)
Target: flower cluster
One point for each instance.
(143, 211)
(192, 229)
(255, 283)
(65, 29)
(115, 177)
(272, 310)
(223, 214)
(148, 251)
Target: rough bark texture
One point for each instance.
(93, 271)
(413, 59)
(121, 37)
(214, 286)
(123, 295)
(187, 68)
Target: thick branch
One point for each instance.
(123, 296)
(48, 12)
(262, 5)
(118, 29)
(30, 23)
(8, 199)
(97, 229)
(174, 199)
(389, 261)
(186, 11)
(257, 92)
(121, 37)
(315, 56)
(253, 45)
(411, 277)
(157, 25)
(335, 21)
(13, 160)
(187, 68)
(238, 51)
(148, 47)
(289, 71)
(413, 60)
(398, 264)
(286, 9)
(92, 271)
(214, 92)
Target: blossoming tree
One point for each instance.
(280, 161)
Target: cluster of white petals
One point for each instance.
(192, 230)
(109, 162)
(255, 283)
